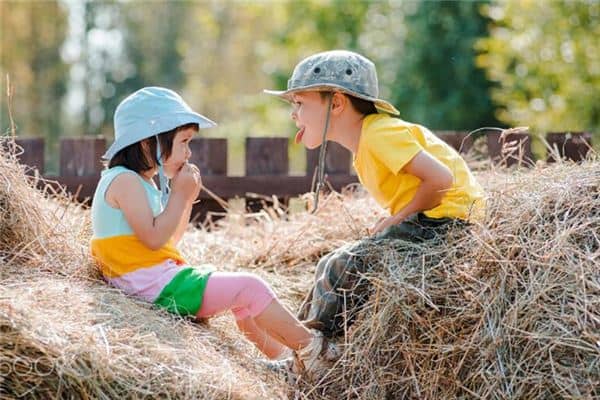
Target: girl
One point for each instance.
(136, 228)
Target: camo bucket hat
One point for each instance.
(337, 70)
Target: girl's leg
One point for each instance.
(265, 343)
(283, 326)
(249, 297)
(314, 354)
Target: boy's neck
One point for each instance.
(347, 131)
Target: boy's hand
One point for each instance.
(187, 182)
(384, 223)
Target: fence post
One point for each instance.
(210, 155)
(337, 160)
(510, 149)
(266, 156)
(459, 140)
(81, 156)
(570, 145)
(33, 152)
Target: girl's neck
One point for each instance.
(148, 175)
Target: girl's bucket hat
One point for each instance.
(148, 112)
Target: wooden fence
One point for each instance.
(266, 162)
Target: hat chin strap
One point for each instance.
(164, 182)
(322, 153)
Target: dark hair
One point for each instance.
(365, 107)
(136, 159)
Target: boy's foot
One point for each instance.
(317, 358)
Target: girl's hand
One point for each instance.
(187, 182)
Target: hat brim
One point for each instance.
(160, 125)
(380, 104)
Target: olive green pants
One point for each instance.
(340, 289)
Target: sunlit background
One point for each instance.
(448, 65)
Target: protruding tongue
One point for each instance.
(299, 135)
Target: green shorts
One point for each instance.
(183, 295)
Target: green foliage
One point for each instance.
(148, 52)
(545, 57)
(437, 82)
(31, 34)
(542, 60)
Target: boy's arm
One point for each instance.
(435, 178)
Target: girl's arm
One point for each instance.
(183, 223)
(187, 212)
(435, 178)
(127, 193)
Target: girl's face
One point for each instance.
(180, 152)
(309, 113)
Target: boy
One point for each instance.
(423, 182)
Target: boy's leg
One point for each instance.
(417, 228)
(338, 290)
(306, 303)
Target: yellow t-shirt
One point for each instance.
(387, 144)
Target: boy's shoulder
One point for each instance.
(377, 127)
(378, 122)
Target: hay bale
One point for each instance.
(63, 338)
(17, 227)
(39, 229)
(509, 310)
(65, 333)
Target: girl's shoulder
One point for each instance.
(123, 184)
(124, 174)
(113, 172)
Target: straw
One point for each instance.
(507, 309)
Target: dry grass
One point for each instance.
(508, 310)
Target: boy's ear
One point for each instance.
(338, 103)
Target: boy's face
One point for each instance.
(180, 152)
(309, 113)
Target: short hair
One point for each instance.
(135, 158)
(365, 107)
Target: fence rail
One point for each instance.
(267, 162)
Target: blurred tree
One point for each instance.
(545, 57)
(153, 46)
(437, 82)
(316, 26)
(127, 47)
(235, 50)
(31, 34)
